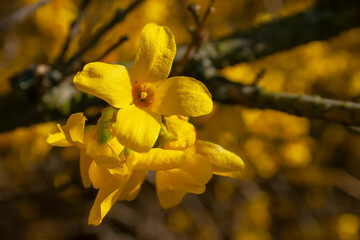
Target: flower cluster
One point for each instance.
(144, 129)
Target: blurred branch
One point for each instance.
(223, 91)
(303, 105)
(21, 14)
(197, 36)
(347, 183)
(113, 47)
(327, 176)
(118, 17)
(326, 19)
(75, 27)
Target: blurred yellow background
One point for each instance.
(301, 179)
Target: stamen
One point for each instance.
(143, 95)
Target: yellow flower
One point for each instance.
(116, 171)
(110, 155)
(202, 160)
(145, 93)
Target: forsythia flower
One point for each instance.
(116, 171)
(131, 137)
(144, 93)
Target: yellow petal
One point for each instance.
(171, 190)
(234, 174)
(85, 162)
(182, 96)
(58, 139)
(98, 175)
(158, 159)
(171, 182)
(191, 178)
(106, 81)
(103, 154)
(74, 128)
(137, 129)
(155, 54)
(185, 133)
(223, 162)
(106, 198)
(169, 198)
(196, 170)
(133, 185)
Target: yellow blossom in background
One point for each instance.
(53, 21)
(21, 150)
(347, 226)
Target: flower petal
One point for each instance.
(106, 198)
(196, 170)
(98, 175)
(182, 96)
(133, 185)
(58, 139)
(169, 198)
(171, 185)
(158, 159)
(85, 162)
(185, 133)
(155, 54)
(104, 155)
(137, 129)
(223, 162)
(74, 128)
(170, 190)
(106, 81)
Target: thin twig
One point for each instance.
(21, 14)
(113, 47)
(75, 27)
(118, 17)
(196, 39)
(194, 9)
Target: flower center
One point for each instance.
(143, 95)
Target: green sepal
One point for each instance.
(104, 123)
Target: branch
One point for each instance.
(325, 20)
(21, 14)
(197, 36)
(113, 47)
(118, 17)
(302, 105)
(75, 27)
